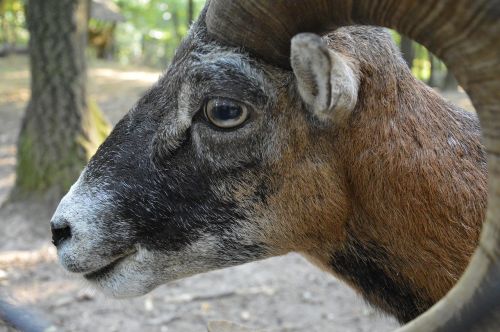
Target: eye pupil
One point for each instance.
(225, 113)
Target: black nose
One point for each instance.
(60, 232)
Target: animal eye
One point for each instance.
(225, 113)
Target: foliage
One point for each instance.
(153, 30)
(12, 23)
(422, 67)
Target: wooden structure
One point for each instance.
(106, 15)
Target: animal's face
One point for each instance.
(218, 164)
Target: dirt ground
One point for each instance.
(279, 294)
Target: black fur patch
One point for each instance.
(165, 206)
(369, 268)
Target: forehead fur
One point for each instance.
(203, 69)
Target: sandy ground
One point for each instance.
(280, 294)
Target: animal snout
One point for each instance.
(61, 230)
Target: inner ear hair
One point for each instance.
(326, 80)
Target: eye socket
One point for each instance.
(225, 113)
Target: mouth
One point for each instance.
(107, 269)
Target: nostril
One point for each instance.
(60, 234)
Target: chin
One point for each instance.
(121, 287)
(129, 276)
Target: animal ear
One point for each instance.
(325, 79)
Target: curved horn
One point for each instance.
(465, 34)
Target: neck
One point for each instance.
(374, 271)
(417, 202)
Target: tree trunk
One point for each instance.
(190, 12)
(407, 50)
(111, 46)
(176, 23)
(4, 30)
(433, 77)
(59, 130)
(450, 82)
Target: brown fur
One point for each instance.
(406, 174)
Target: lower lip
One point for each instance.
(104, 270)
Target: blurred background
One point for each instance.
(69, 70)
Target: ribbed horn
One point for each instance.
(466, 36)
